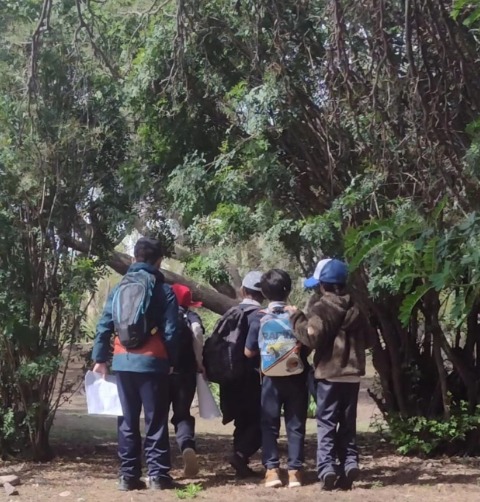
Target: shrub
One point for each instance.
(424, 436)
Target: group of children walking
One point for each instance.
(277, 341)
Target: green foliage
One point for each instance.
(65, 176)
(215, 388)
(8, 425)
(209, 319)
(210, 269)
(414, 255)
(469, 11)
(190, 491)
(229, 223)
(312, 407)
(265, 146)
(420, 435)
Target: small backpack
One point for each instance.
(223, 352)
(279, 349)
(129, 308)
(186, 362)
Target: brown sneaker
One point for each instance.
(272, 478)
(295, 479)
(190, 463)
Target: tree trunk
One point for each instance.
(40, 441)
(41, 449)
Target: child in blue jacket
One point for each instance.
(143, 376)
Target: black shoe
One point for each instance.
(345, 482)
(161, 483)
(328, 481)
(241, 467)
(128, 484)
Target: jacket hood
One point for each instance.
(135, 267)
(343, 308)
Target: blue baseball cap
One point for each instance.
(334, 272)
(314, 280)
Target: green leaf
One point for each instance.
(411, 301)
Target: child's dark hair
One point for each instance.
(255, 295)
(276, 285)
(148, 250)
(337, 289)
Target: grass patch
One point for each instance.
(189, 492)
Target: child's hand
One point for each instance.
(100, 368)
(291, 309)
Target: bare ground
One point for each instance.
(85, 468)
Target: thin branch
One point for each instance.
(43, 25)
(98, 51)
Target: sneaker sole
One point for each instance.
(295, 484)
(329, 481)
(273, 484)
(191, 463)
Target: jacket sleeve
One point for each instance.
(319, 327)
(309, 331)
(105, 329)
(169, 320)
(197, 331)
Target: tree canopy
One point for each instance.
(251, 133)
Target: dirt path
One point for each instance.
(86, 466)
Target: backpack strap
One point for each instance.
(284, 325)
(248, 309)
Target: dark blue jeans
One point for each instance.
(182, 392)
(149, 390)
(291, 393)
(336, 426)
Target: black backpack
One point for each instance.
(186, 362)
(129, 308)
(223, 352)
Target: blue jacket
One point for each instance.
(159, 352)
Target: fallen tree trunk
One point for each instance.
(211, 299)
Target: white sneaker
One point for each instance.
(272, 478)
(190, 463)
(295, 479)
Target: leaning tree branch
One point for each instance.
(211, 299)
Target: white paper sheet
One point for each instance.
(207, 406)
(102, 395)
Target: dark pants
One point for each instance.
(312, 384)
(247, 434)
(240, 402)
(336, 426)
(182, 392)
(291, 393)
(151, 391)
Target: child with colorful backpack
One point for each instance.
(339, 333)
(283, 364)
